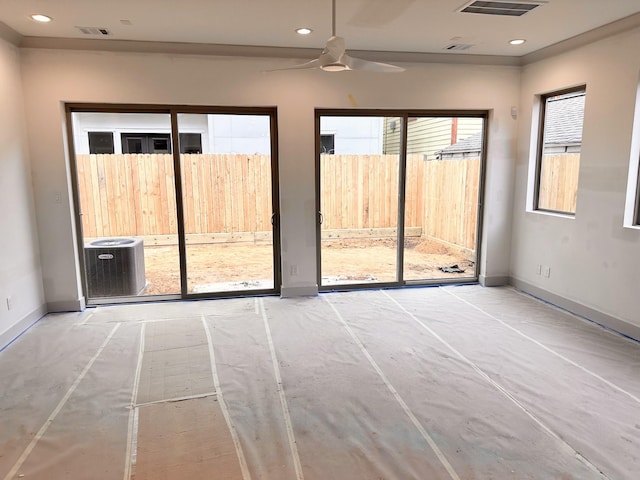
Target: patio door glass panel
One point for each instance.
(359, 178)
(442, 197)
(226, 172)
(127, 204)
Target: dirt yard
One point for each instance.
(235, 266)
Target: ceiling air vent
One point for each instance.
(513, 8)
(99, 31)
(458, 47)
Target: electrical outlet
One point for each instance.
(294, 270)
(547, 272)
(539, 270)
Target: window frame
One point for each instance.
(540, 145)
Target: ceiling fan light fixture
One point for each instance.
(303, 31)
(335, 67)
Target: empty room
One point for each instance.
(347, 239)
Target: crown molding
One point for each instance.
(183, 48)
(10, 35)
(608, 30)
(134, 46)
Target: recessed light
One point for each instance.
(303, 31)
(41, 18)
(517, 41)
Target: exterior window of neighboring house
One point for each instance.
(101, 142)
(558, 156)
(327, 144)
(190, 143)
(146, 143)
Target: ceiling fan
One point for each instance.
(335, 59)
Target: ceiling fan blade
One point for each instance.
(378, 13)
(303, 66)
(335, 47)
(369, 66)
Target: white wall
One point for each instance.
(52, 77)
(19, 258)
(594, 261)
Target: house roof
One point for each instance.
(563, 127)
(469, 144)
(564, 120)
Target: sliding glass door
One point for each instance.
(398, 197)
(359, 199)
(175, 202)
(228, 201)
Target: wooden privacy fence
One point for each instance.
(559, 182)
(134, 195)
(441, 197)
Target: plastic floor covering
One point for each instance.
(458, 383)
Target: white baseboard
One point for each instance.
(8, 336)
(67, 306)
(596, 316)
(302, 291)
(494, 280)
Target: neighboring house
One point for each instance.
(563, 130)
(151, 133)
(470, 147)
(428, 135)
(564, 121)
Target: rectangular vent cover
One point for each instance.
(500, 7)
(458, 47)
(99, 31)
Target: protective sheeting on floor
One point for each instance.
(422, 383)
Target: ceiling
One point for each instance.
(421, 26)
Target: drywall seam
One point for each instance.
(21, 327)
(617, 325)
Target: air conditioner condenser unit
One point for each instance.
(115, 267)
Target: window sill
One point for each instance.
(570, 216)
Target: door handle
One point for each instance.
(320, 218)
(273, 219)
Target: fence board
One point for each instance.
(559, 182)
(134, 195)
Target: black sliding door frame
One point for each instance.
(404, 116)
(173, 111)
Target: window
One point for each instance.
(327, 144)
(190, 143)
(558, 155)
(146, 143)
(632, 202)
(100, 142)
